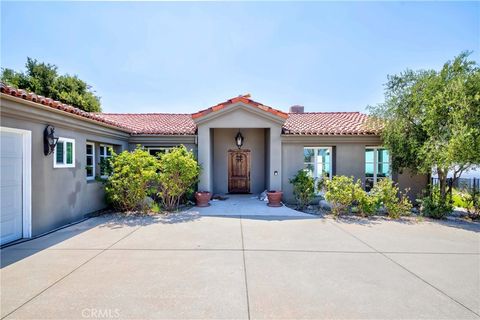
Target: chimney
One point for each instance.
(296, 109)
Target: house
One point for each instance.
(243, 146)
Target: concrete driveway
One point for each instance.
(193, 266)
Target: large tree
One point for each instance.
(431, 119)
(43, 79)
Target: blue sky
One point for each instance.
(182, 57)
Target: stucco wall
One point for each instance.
(415, 182)
(223, 140)
(235, 117)
(348, 157)
(351, 160)
(60, 195)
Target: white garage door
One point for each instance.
(12, 190)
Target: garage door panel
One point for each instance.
(11, 169)
(11, 188)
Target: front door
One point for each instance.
(239, 171)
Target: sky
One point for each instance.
(183, 57)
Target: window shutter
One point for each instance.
(69, 153)
(59, 152)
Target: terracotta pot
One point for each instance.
(274, 198)
(202, 198)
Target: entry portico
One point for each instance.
(261, 127)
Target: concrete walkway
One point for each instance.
(245, 205)
(192, 266)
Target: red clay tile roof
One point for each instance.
(310, 123)
(327, 123)
(54, 104)
(245, 99)
(154, 123)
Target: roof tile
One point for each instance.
(310, 123)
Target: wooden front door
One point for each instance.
(239, 171)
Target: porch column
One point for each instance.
(204, 158)
(275, 181)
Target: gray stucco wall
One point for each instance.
(223, 140)
(60, 195)
(416, 183)
(349, 157)
(244, 117)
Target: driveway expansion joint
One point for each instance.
(71, 272)
(245, 269)
(406, 269)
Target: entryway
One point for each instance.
(15, 163)
(239, 171)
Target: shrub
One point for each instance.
(396, 203)
(340, 192)
(432, 206)
(472, 201)
(367, 204)
(303, 188)
(131, 178)
(178, 174)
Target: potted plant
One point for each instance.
(274, 198)
(203, 197)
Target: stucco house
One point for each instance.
(41, 192)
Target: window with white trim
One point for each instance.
(156, 151)
(377, 166)
(64, 155)
(105, 154)
(318, 161)
(90, 160)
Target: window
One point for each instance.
(90, 155)
(317, 161)
(64, 156)
(377, 166)
(156, 151)
(105, 153)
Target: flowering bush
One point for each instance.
(178, 174)
(396, 203)
(341, 192)
(131, 179)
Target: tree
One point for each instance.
(431, 119)
(43, 79)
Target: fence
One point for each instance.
(460, 183)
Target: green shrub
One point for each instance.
(132, 175)
(367, 204)
(396, 203)
(303, 188)
(433, 207)
(472, 201)
(179, 172)
(340, 192)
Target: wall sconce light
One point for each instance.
(49, 140)
(239, 140)
(275, 173)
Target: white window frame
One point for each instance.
(315, 162)
(104, 155)
(375, 163)
(93, 159)
(64, 164)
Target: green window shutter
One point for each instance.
(59, 153)
(69, 153)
